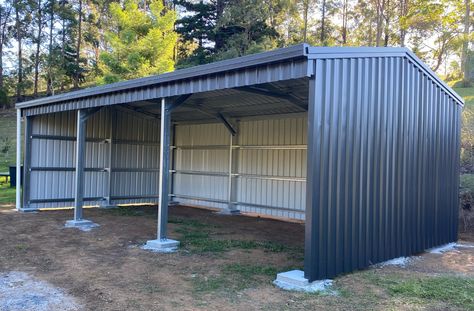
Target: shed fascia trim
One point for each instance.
(360, 52)
(258, 59)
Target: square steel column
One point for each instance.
(27, 162)
(18, 159)
(111, 113)
(162, 243)
(78, 221)
(312, 226)
(80, 158)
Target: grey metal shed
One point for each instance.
(361, 143)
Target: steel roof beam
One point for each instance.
(289, 97)
(140, 110)
(216, 115)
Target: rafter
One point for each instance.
(289, 97)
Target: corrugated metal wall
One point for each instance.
(384, 141)
(135, 159)
(268, 163)
(130, 150)
(268, 166)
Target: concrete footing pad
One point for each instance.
(227, 211)
(84, 225)
(161, 246)
(294, 280)
(28, 210)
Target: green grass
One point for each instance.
(467, 182)
(234, 277)
(468, 95)
(7, 140)
(7, 194)
(203, 243)
(198, 237)
(130, 211)
(452, 290)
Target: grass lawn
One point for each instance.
(468, 95)
(7, 139)
(7, 194)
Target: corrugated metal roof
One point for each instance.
(259, 59)
(268, 67)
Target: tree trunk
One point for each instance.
(403, 13)
(387, 24)
(20, 56)
(305, 17)
(323, 21)
(220, 6)
(78, 47)
(37, 54)
(344, 21)
(1, 66)
(2, 42)
(49, 90)
(379, 21)
(63, 45)
(465, 43)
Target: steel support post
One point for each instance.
(312, 226)
(18, 159)
(78, 221)
(231, 183)
(163, 191)
(80, 159)
(162, 243)
(110, 141)
(27, 162)
(172, 164)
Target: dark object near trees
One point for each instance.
(12, 170)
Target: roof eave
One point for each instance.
(259, 59)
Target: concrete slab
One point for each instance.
(161, 246)
(294, 280)
(84, 225)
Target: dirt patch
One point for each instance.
(224, 263)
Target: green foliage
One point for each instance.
(467, 130)
(142, 42)
(4, 99)
(7, 140)
(467, 182)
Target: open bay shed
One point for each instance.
(361, 143)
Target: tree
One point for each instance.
(142, 42)
(245, 28)
(22, 17)
(465, 43)
(198, 28)
(5, 33)
(37, 39)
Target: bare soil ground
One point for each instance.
(224, 263)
